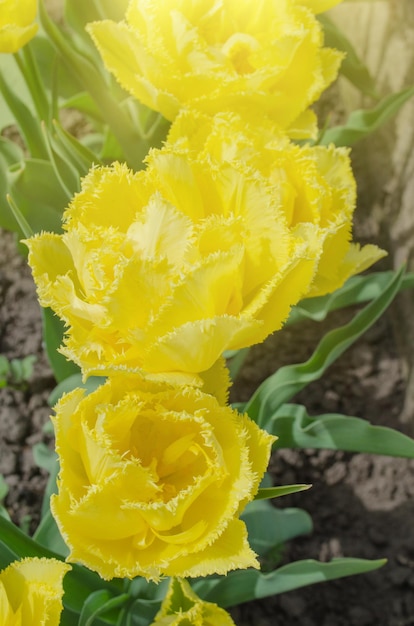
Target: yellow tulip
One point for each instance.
(153, 478)
(31, 592)
(318, 6)
(315, 184)
(17, 23)
(163, 270)
(219, 55)
(182, 607)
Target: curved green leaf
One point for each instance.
(296, 429)
(287, 381)
(351, 67)
(53, 330)
(99, 603)
(269, 527)
(363, 122)
(356, 290)
(48, 535)
(74, 382)
(242, 586)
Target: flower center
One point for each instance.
(239, 49)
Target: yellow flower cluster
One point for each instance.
(17, 23)
(220, 55)
(158, 272)
(31, 592)
(162, 270)
(313, 187)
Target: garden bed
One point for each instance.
(361, 505)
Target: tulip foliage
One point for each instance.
(202, 214)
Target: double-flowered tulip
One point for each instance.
(223, 55)
(162, 270)
(153, 480)
(314, 185)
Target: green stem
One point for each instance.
(91, 80)
(28, 125)
(29, 68)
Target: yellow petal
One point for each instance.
(34, 590)
(17, 25)
(194, 346)
(182, 607)
(152, 479)
(230, 551)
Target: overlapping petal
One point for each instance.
(161, 271)
(31, 592)
(153, 479)
(219, 55)
(315, 185)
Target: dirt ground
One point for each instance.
(361, 505)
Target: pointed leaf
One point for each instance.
(277, 492)
(356, 290)
(243, 586)
(296, 429)
(287, 381)
(48, 535)
(269, 526)
(99, 603)
(352, 66)
(53, 330)
(363, 122)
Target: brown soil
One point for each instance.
(361, 505)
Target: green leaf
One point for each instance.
(99, 603)
(351, 67)
(277, 492)
(74, 382)
(269, 527)
(141, 613)
(83, 102)
(296, 429)
(48, 535)
(363, 122)
(287, 381)
(356, 290)
(93, 79)
(20, 106)
(53, 330)
(235, 361)
(47, 459)
(245, 585)
(65, 171)
(4, 370)
(19, 218)
(79, 13)
(21, 370)
(4, 490)
(83, 158)
(11, 156)
(38, 195)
